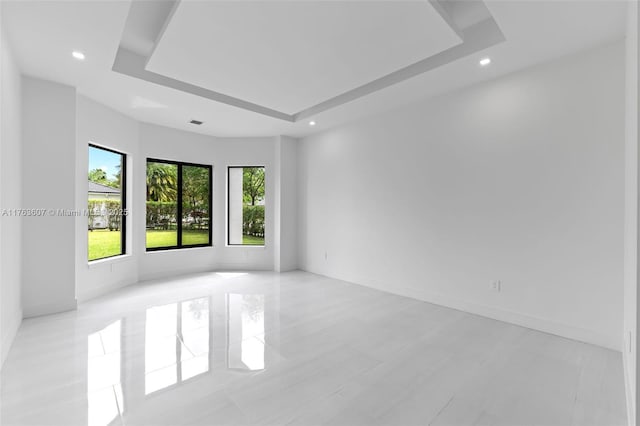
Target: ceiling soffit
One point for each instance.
(147, 22)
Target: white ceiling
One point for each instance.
(43, 34)
(289, 55)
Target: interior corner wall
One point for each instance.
(519, 179)
(102, 126)
(172, 144)
(285, 228)
(10, 197)
(631, 216)
(48, 183)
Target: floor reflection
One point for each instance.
(231, 274)
(104, 389)
(120, 361)
(177, 343)
(245, 328)
(178, 346)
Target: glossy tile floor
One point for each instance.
(297, 349)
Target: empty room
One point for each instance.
(319, 212)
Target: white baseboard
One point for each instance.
(101, 291)
(190, 271)
(7, 341)
(628, 389)
(523, 320)
(48, 309)
(144, 277)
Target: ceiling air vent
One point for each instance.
(196, 122)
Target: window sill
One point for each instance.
(108, 260)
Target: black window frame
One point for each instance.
(123, 203)
(229, 206)
(179, 165)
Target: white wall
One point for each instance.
(165, 143)
(235, 203)
(10, 197)
(286, 206)
(102, 126)
(49, 181)
(631, 212)
(519, 179)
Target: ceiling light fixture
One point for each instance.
(485, 61)
(312, 123)
(78, 55)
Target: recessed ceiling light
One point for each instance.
(196, 122)
(78, 55)
(485, 61)
(312, 123)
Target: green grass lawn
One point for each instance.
(194, 237)
(158, 238)
(252, 241)
(104, 243)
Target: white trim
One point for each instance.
(113, 259)
(628, 391)
(49, 309)
(152, 276)
(224, 267)
(101, 291)
(535, 323)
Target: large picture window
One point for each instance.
(178, 205)
(106, 203)
(246, 205)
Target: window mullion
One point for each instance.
(179, 218)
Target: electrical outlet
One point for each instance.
(325, 255)
(496, 285)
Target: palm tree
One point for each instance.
(162, 182)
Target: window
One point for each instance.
(106, 203)
(178, 205)
(246, 205)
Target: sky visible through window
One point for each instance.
(104, 160)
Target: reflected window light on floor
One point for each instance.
(230, 274)
(285, 350)
(177, 343)
(245, 322)
(104, 391)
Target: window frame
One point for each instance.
(229, 206)
(179, 165)
(123, 203)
